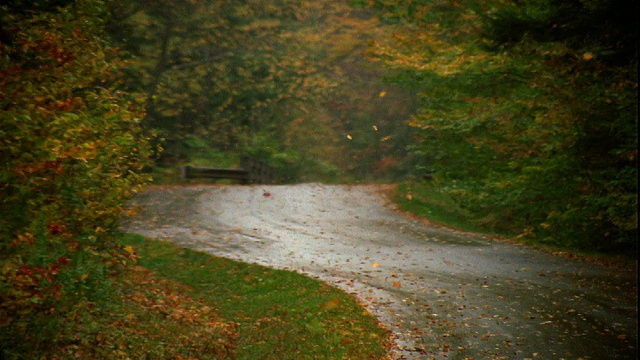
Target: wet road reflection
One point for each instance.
(443, 293)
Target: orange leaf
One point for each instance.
(396, 284)
(331, 304)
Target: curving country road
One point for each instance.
(443, 293)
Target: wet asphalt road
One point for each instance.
(442, 293)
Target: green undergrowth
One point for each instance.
(276, 314)
(425, 200)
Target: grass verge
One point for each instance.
(177, 303)
(425, 201)
(277, 314)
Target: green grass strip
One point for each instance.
(278, 314)
(425, 201)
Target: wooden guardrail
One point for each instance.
(198, 172)
(252, 171)
(259, 172)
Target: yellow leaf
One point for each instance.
(349, 136)
(129, 249)
(383, 93)
(84, 276)
(331, 304)
(137, 297)
(375, 264)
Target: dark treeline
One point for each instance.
(527, 112)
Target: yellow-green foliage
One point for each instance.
(527, 112)
(70, 151)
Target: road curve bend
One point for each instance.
(441, 292)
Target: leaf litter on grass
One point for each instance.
(278, 314)
(147, 317)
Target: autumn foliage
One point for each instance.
(221, 76)
(527, 112)
(70, 152)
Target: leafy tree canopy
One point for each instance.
(222, 71)
(533, 124)
(71, 148)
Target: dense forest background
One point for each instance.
(527, 112)
(284, 82)
(523, 113)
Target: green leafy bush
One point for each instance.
(532, 127)
(70, 153)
